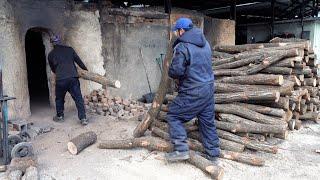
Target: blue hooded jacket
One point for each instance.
(192, 63)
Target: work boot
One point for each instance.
(177, 156)
(84, 121)
(58, 118)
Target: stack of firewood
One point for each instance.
(102, 103)
(261, 91)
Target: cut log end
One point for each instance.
(117, 84)
(72, 148)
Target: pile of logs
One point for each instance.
(261, 91)
(102, 103)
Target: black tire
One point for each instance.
(23, 149)
(13, 140)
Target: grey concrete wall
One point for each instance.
(13, 62)
(130, 48)
(220, 31)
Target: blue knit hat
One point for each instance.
(183, 23)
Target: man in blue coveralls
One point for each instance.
(192, 67)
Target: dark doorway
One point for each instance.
(36, 66)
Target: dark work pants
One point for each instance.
(71, 85)
(199, 103)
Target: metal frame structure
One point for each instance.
(4, 123)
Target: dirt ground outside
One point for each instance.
(296, 158)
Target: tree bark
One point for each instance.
(293, 79)
(271, 60)
(232, 49)
(277, 70)
(222, 55)
(246, 96)
(215, 172)
(224, 144)
(82, 141)
(264, 109)
(248, 143)
(310, 82)
(234, 119)
(288, 62)
(98, 78)
(229, 72)
(223, 61)
(284, 89)
(311, 116)
(239, 63)
(283, 103)
(247, 113)
(153, 143)
(259, 79)
(159, 97)
(257, 128)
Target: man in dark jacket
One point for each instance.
(62, 61)
(192, 67)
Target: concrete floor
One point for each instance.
(296, 158)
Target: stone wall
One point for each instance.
(12, 59)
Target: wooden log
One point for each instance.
(284, 89)
(159, 96)
(98, 78)
(223, 61)
(245, 96)
(224, 144)
(259, 79)
(283, 103)
(315, 100)
(247, 113)
(288, 62)
(277, 70)
(310, 107)
(234, 119)
(232, 49)
(253, 137)
(310, 116)
(310, 82)
(305, 71)
(221, 55)
(239, 63)
(229, 72)
(293, 79)
(298, 124)
(257, 128)
(249, 144)
(313, 91)
(312, 63)
(291, 124)
(264, 109)
(271, 60)
(215, 172)
(82, 141)
(164, 108)
(300, 65)
(283, 135)
(22, 163)
(153, 143)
